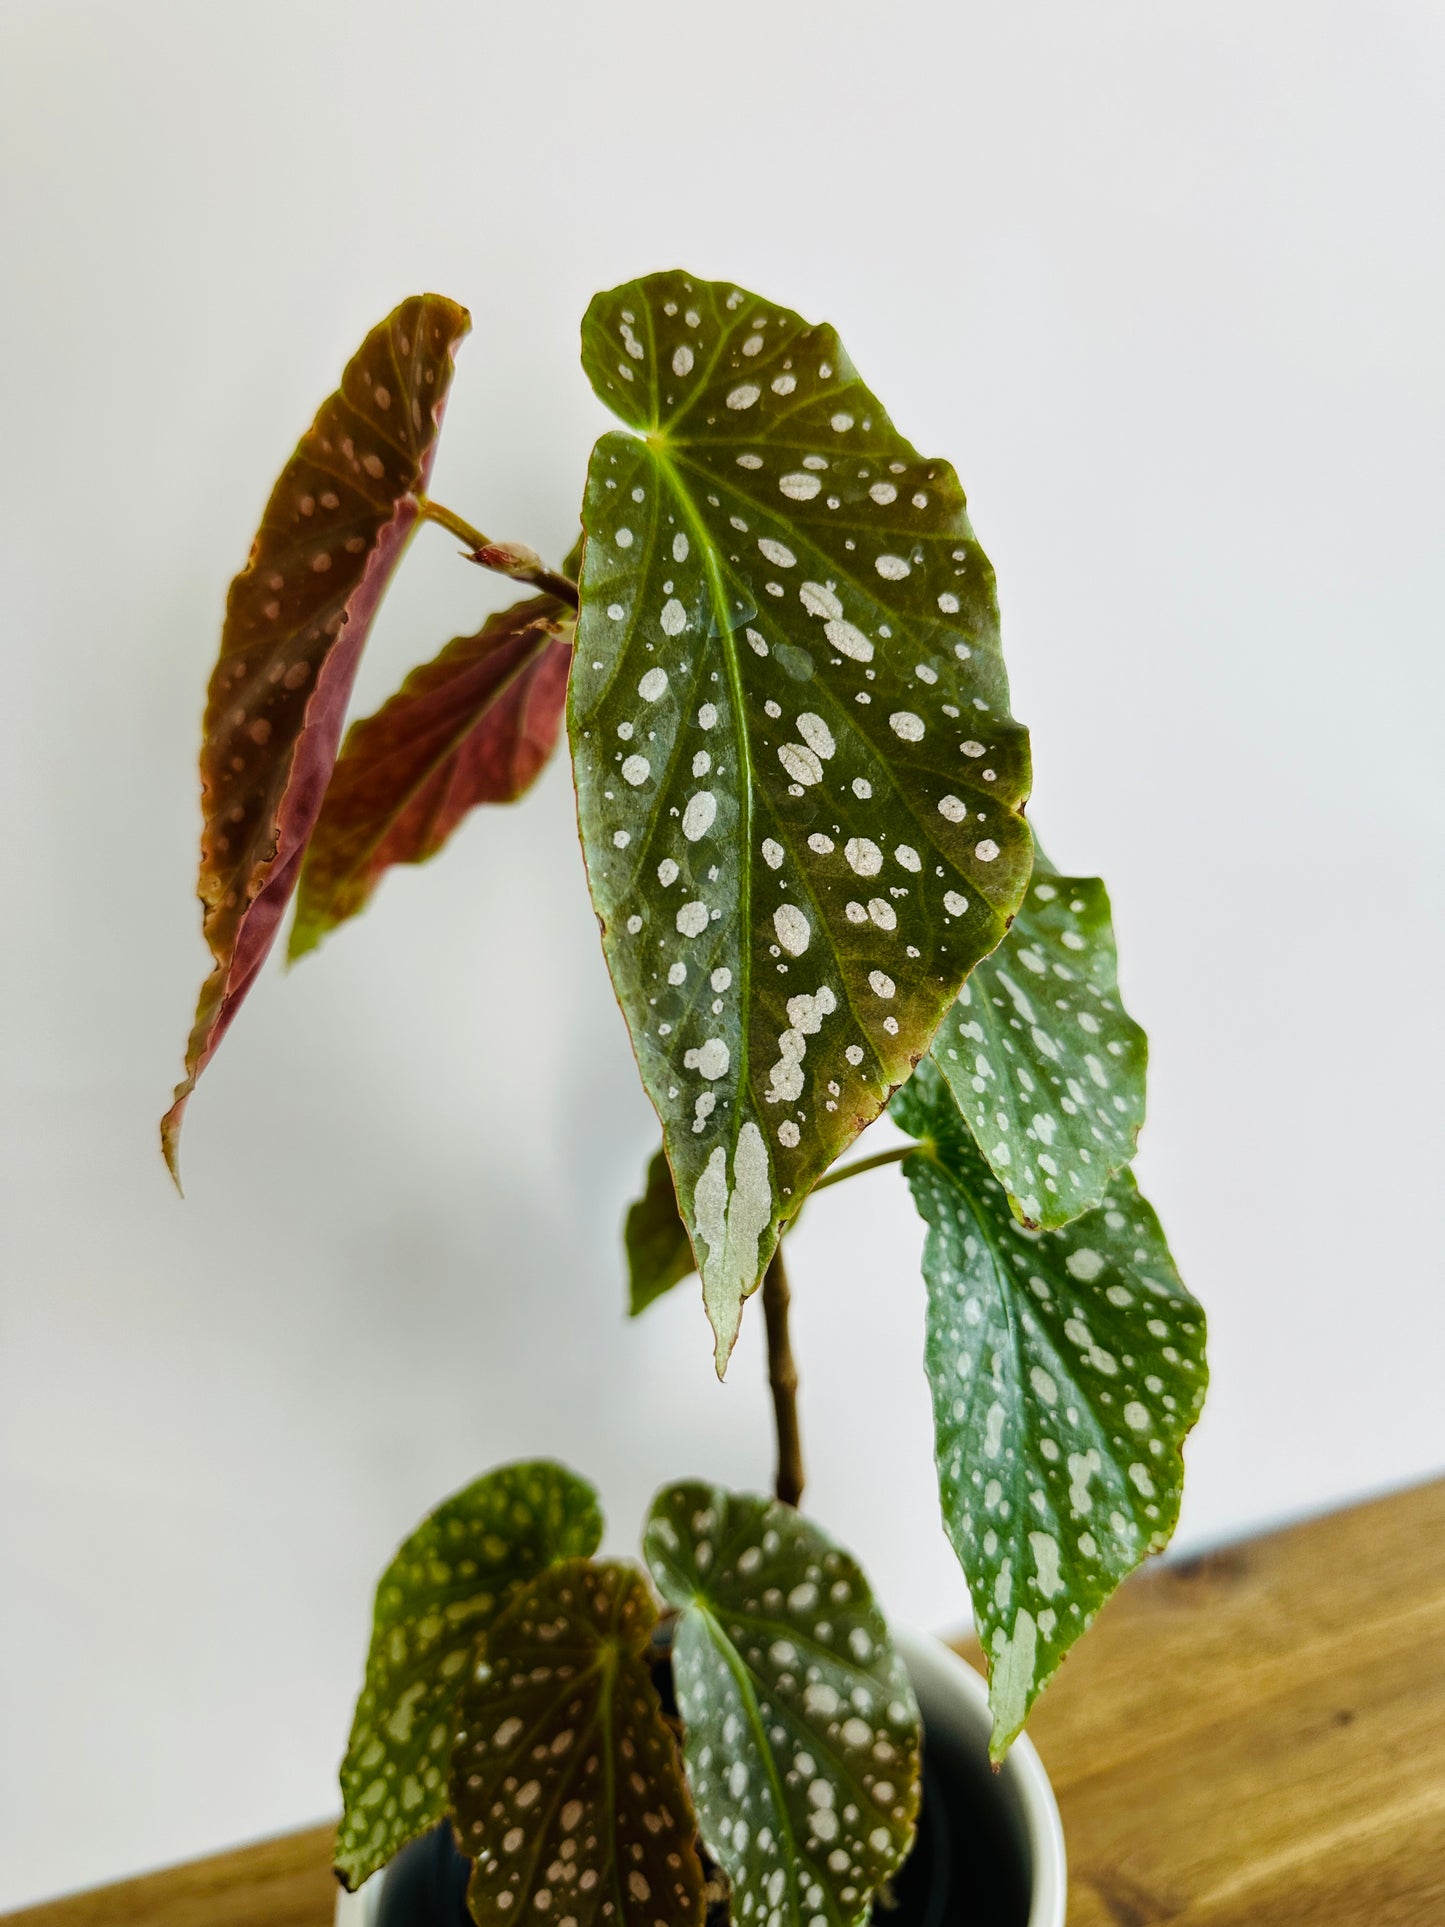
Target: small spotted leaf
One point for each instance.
(296, 619)
(658, 1253)
(1044, 1061)
(473, 726)
(802, 1732)
(798, 780)
(1066, 1368)
(566, 1784)
(454, 1576)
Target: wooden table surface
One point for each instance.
(1257, 1736)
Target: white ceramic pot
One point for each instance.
(954, 1701)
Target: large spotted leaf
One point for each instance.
(457, 1572)
(658, 1253)
(802, 1732)
(1066, 1369)
(1044, 1061)
(296, 619)
(473, 726)
(566, 1783)
(798, 781)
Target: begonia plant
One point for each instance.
(801, 801)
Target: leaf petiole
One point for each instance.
(513, 559)
(856, 1170)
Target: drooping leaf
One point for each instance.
(1044, 1061)
(798, 780)
(296, 619)
(801, 1729)
(1066, 1368)
(475, 725)
(454, 1576)
(566, 1782)
(658, 1253)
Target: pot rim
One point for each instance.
(948, 1676)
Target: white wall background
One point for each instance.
(1166, 284)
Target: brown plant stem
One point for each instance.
(783, 1379)
(512, 559)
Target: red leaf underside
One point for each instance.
(473, 726)
(297, 617)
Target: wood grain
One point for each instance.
(279, 1883)
(1258, 1736)
(1251, 1739)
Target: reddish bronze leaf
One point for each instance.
(475, 725)
(296, 619)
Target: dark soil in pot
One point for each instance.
(968, 1867)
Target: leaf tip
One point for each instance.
(349, 1872)
(171, 1134)
(1001, 1738)
(1029, 1213)
(1013, 1684)
(304, 938)
(724, 1310)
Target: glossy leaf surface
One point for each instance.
(566, 1783)
(802, 1733)
(658, 1253)
(1043, 1060)
(1066, 1369)
(473, 726)
(798, 780)
(452, 1578)
(296, 619)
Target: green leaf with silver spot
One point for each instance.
(798, 781)
(566, 1784)
(451, 1579)
(1043, 1059)
(802, 1733)
(1066, 1369)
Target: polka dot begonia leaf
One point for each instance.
(802, 1734)
(473, 726)
(798, 781)
(296, 619)
(452, 1578)
(1044, 1061)
(1067, 1368)
(567, 1787)
(658, 1253)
